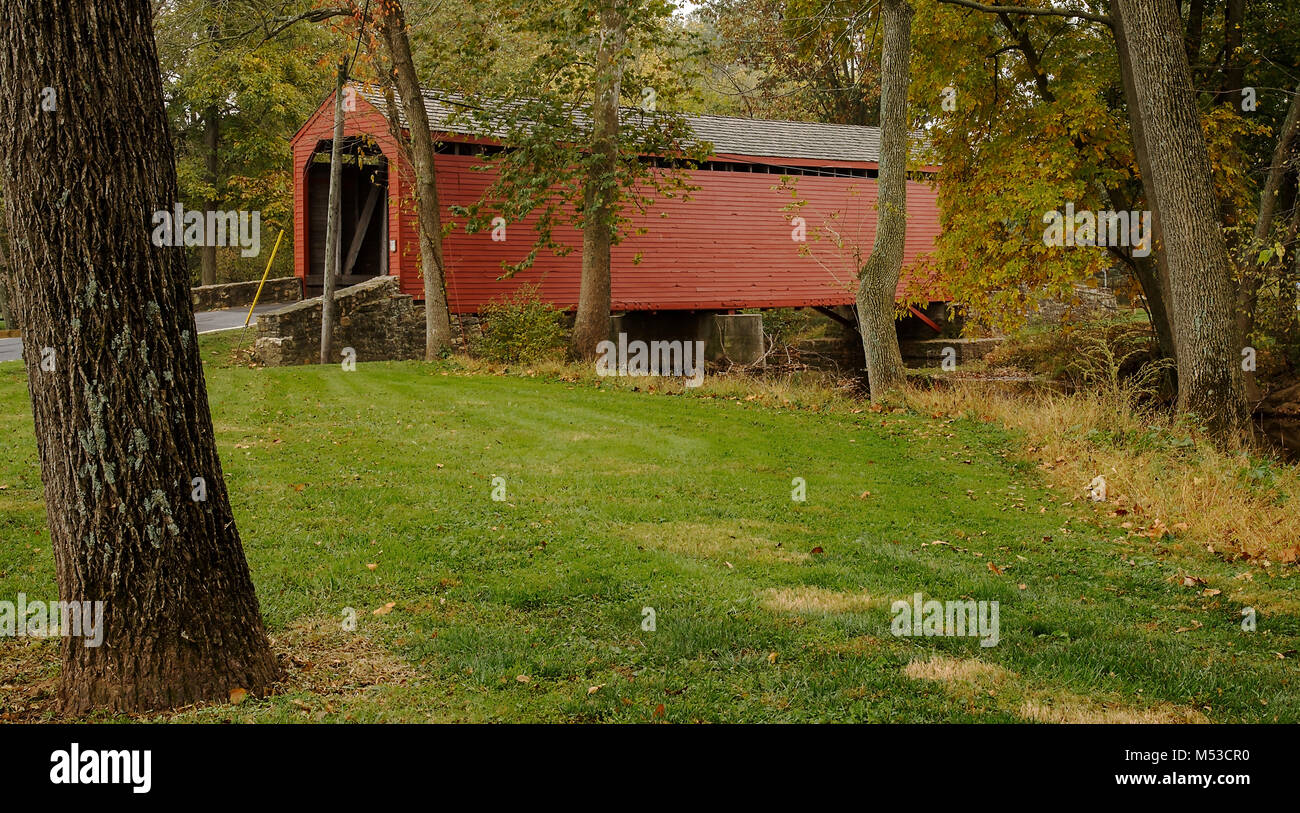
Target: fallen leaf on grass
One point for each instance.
(1157, 531)
(386, 609)
(594, 689)
(238, 695)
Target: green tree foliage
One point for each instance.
(542, 111)
(1014, 144)
(1026, 114)
(806, 60)
(219, 54)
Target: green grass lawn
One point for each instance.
(361, 489)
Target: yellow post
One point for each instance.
(265, 273)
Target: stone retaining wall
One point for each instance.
(1082, 303)
(240, 294)
(932, 352)
(374, 318)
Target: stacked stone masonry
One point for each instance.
(374, 318)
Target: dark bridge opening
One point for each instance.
(363, 249)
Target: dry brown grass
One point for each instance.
(1186, 498)
(809, 599)
(320, 657)
(810, 390)
(1078, 710)
(966, 677)
(955, 670)
(722, 542)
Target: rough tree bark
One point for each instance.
(333, 221)
(879, 279)
(1152, 271)
(118, 398)
(4, 276)
(1248, 293)
(1234, 67)
(1208, 355)
(600, 188)
(1195, 28)
(437, 319)
(1288, 279)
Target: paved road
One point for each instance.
(206, 321)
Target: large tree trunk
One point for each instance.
(879, 283)
(211, 142)
(120, 406)
(600, 188)
(1288, 279)
(5, 312)
(333, 222)
(1234, 66)
(1195, 29)
(1209, 362)
(1248, 293)
(437, 319)
(1152, 271)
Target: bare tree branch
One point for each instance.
(1035, 12)
(272, 27)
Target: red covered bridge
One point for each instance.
(730, 246)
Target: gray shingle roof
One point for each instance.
(788, 139)
(729, 135)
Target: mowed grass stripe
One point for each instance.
(618, 500)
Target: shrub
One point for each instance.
(521, 328)
(1114, 357)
